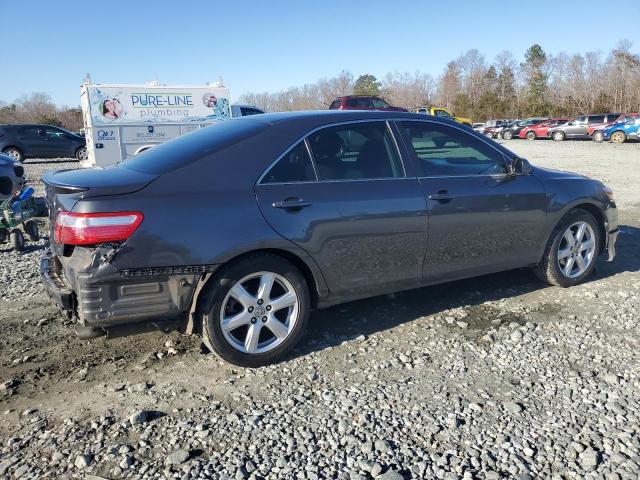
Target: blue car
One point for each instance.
(627, 128)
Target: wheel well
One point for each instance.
(599, 216)
(295, 260)
(11, 146)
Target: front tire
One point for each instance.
(571, 251)
(618, 137)
(255, 310)
(17, 240)
(558, 136)
(531, 135)
(81, 154)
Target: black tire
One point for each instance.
(220, 284)
(3, 235)
(17, 240)
(558, 136)
(531, 135)
(508, 135)
(548, 270)
(81, 154)
(14, 153)
(31, 229)
(598, 137)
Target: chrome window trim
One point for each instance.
(328, 125)
(482, 138)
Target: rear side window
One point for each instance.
(364, 102)
(335, 105)
(352, 102)
(441, 150)
(355, 151)
(295, 166)
(379, 103)
(596, 118)
(193, 146)
(29, 131)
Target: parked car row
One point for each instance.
(614, 127)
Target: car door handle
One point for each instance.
(291, 204)
(441, 196)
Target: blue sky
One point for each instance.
(271, 45)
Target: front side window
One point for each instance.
(53, 133)
(441, 150)
(352, 102)
(355, 151)
(295, 166)
(364, 102)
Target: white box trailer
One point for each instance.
(123, 120)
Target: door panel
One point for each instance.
(488, 223)
(481, 218)
(33, 141)
(367, 236)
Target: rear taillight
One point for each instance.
(92, 228)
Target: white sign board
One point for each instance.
(113, 104)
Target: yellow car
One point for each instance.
(442, 112)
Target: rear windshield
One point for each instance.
(193, 146)
(335, 105)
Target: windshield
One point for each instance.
(193, 146)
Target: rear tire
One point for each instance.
(531, 135)
(549, 270)
(31, 229)
(597, 137)
(219, 304)
(17, 240)
(558, 136)
(14, 153)
(508, 135)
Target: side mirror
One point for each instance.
(520, 166)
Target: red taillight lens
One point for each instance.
(91, 228)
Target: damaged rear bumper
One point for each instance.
(89, 288)
(55, 286)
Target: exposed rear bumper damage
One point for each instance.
(87, 287)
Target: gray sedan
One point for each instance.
(238, 231)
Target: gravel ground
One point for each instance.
(495, 377)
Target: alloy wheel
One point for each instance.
(598, 137)
(577, 249)
(558, 136)
(82, 154)
(13, 154)
(618, 137)
(531, 135)
(259, 312)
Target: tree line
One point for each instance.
(540, 85)
(39, 108)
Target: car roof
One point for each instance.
(331, 116)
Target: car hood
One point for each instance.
(92, 182)
(552, 174)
